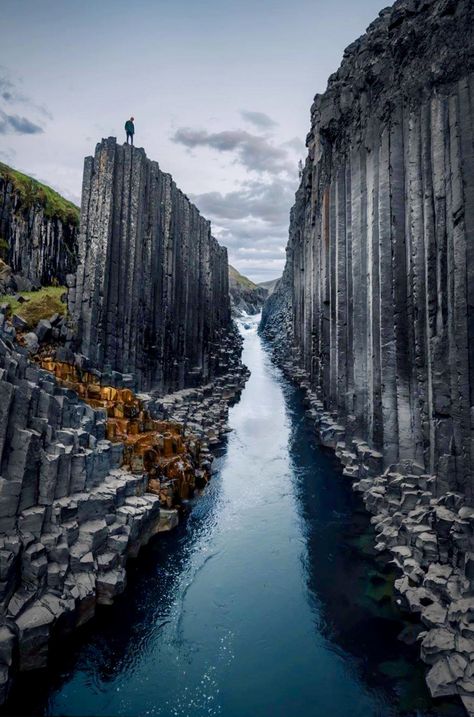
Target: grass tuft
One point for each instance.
(40, 305)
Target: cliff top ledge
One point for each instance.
(111, 144)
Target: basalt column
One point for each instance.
(150, 297)
(381, 249)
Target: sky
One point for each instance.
(220, 90)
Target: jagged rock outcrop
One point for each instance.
(380, 298)
(151, 294)
(38, 233)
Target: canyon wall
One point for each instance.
(378, 298)
(151, 294)
(88, 470)
(382, 235)
(38, 232)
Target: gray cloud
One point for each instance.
(14, 124)
(259, 119)
(252, 222)
(7, 154)
(269, 202)
(254, 152)
(7, 90)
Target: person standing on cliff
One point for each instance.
(130, 129)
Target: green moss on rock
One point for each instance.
(39, 305)
(34, 193)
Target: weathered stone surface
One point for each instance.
(42, 249)
(374, 314)
(151, 294)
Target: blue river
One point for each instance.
(268, 600)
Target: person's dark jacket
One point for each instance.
(129, 127)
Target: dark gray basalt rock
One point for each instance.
(151, 294)
(39, 249)
(150, 309)
(379, 304)
(70, 515)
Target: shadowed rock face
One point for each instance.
(151, 294)
(377, 301)
(382, 239)
(39, 249)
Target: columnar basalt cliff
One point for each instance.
(151, 295)
(89, 470)
(38, 233)
(379, 293)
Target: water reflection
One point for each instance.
(349, 583)
(269, 601)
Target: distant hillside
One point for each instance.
(270, 286)
(240, 279)
(245, 295)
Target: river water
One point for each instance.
(268, 600)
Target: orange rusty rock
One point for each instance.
(157, 448)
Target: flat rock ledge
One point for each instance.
(70, 515)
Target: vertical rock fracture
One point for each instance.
(378, 298)
(151, 295)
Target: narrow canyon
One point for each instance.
(213, 512)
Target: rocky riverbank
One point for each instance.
(425, 535)
(89, 472)
(90, 468)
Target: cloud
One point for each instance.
(269, 202)
(14, 124)
(252, 222)
(254, 152)
(296, 144)
(259, 119)
(7, 89)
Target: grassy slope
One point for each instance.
(33, 192)
(40, 305)
(238, 278)
(269, 286)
